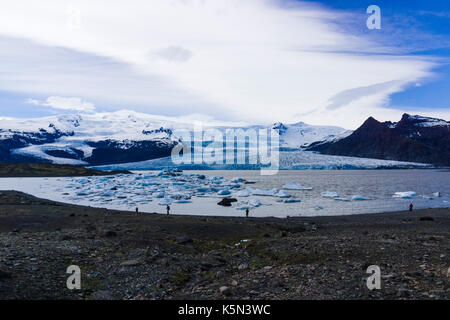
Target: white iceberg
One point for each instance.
(294, 185)
(404, 195)
(165, 201)
(255, 203)
(159, 194)
(224, 192)
(265, 192)
(342, 199)
(318, 208)
(243, 193)
(283, 195)
(437, 194)
(330, 194)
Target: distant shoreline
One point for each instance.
(29, 170)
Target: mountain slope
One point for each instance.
(118, 137)
(413, 139)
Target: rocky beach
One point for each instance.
(137, 255)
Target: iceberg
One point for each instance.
(318, 208)
(437, 194)
(165, 201)
(359, 198)
(243, 193)
(159, 195)
(330, 194)
(342, 199)
(255, 203)
(292, 200)
(283, 194)
(265, 192)
(404, 195)
(183, 201)
(294, 185)
(224, 192)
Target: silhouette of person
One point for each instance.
(168, 209)
(246, 213)
(411, 207)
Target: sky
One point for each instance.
(253, 61)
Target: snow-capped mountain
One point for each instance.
(118, 137)
(414, 138)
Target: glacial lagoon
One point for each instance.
(288, 193)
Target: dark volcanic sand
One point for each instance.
(125, 255)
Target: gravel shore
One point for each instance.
(128, 255)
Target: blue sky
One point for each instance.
(258, 61)
(423, 24)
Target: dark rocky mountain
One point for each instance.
(413, 138)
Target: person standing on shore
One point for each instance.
(168, 209)
(246, 213)
(411, 207)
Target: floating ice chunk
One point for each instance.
(342, 199)
(292, 200)
(165, 201)
(179, 196)
(265, 192)
(159, 195)
(237, 180)
(283, 194)
(404, 195)
(294, 185)
(183, 201)
(330, 194)
(255, 203)
(359, 198)
(108, 194)
(318, 208)
(437, 194)
(243, 193)
(224, 192)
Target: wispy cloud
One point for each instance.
(62, 103)
(253, 60)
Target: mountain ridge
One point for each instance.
(118, 137)
(414, 138)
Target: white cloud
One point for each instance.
(62, 103)
(172, 53)
(253, 60)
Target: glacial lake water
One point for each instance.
(140, 190)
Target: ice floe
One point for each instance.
(404, 195)
(294, 185)
(360, 198)
(330, 194)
